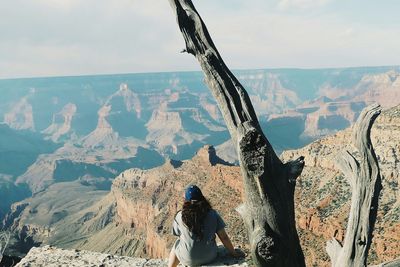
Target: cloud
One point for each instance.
(70, 37)
(75, 37)
(59, 4)
(301, 4)
(279, 40)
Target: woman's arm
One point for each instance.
(226, 241)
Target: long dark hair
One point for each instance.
(194, 213)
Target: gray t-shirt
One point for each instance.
(189, 249)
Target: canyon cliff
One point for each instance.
(72, 150)
(135, 218)
(323, 193)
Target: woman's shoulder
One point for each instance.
(214, 213)
(178, 216)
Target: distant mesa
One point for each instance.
(175, 113)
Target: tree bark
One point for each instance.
(365, 181)
(268, 208)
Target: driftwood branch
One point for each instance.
(365, 180)
(268, 209)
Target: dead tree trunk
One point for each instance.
(365, 182)
(268, 209)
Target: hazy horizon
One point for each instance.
(200, 71)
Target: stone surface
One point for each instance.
(48, 256)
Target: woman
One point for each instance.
(196, 225)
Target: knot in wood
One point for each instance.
(253, 149)
(294, 169)
(266, 248)
(361, 242)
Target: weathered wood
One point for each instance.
(393, 263)
(268, 209)
(365, 181)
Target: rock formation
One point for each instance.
(66, 109)
(61, 124)
(20, 117)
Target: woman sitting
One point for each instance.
(196, 225)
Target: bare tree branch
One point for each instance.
(364, 177)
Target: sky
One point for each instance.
(84, 37)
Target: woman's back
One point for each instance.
(195, 250)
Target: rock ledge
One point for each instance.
(51, 257)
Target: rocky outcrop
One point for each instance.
(61, 124)
(175, 131)
(211, 108)
(330, 117)
(130, 99)
(268, 94)
(103, 132)
(322, 195)
(50, 256)
(121, 115)
(227, 151)
(163, 128)
(20, 117)
(383, 88)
